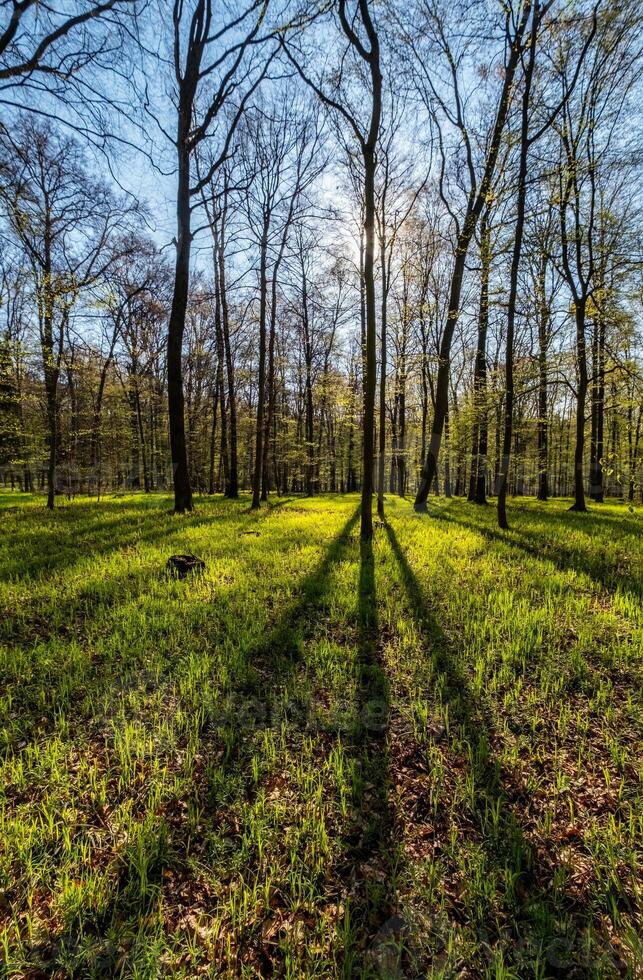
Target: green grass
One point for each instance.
(319, 760)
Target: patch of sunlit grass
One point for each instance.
(313, 761)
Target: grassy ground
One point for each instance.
(417, 759)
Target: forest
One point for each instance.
(321, 486)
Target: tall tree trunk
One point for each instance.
(382, 432)
(543, 342)
(218, 397)
(515, 267)
(401, 429)
(51, 386)
(475, 205)
(598, 412)
(447, 461)
(270, 407)
(213, 433)
(176, 326)
(261, 393)
(478, 477)
(51, 359)
(232, 485)
(141, 439)
(366, 528)
(634, 439)
(581, 398)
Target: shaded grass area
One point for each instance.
(420, 757)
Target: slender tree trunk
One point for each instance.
(261, 394)
(543, 434)
(232, 485)
(598, 412)
(401, 433)
(213, 434)
(633, 447)
(370, 353)
(141, 439)
(270, 408)
(382, 432)
(513, 283)
(478, 478)
(425, 405)
(176, 326)
(51, 385)
(581, 397)
(474, 208)
(219, 385)
(447, 460)
(51, 359)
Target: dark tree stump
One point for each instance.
(180, 566)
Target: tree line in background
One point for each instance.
(406, 259)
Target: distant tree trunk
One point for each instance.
(633, 439)
(581, 398)
(393, 470)
(401, 433)
(351, 480)
(475, 204)
(515, 268)
(261, 392)
(598, 411)
(362, 297)
(218, 398)
(447, 463)
(543, 335)
(270, 407)
(51, 370)
(425, 411)
(478, 477)
(270, 413)
(382, 432)
(141, 438)
(213, 434)
(232, 485)
(309, 448)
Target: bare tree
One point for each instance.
(451, 110)
(69, 228)
(355, 26)
(203, 68)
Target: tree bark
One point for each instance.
(232, 485)
(543, 433)
(261, 393)
(475, 205)
(513, 283)
(176, 326)
(366, 528)
(382, 432)
(478, 477)
(581, 398)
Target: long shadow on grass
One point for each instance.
(535, 923)
(369, 861)
(564, 558)
(69, 620)
(249, 704)
(67, 540)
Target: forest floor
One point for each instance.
(317, 759)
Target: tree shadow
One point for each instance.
(252, 703)
(68, 617)
(541, 930)
(369, 862)
(564, 557)
(67, 542)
